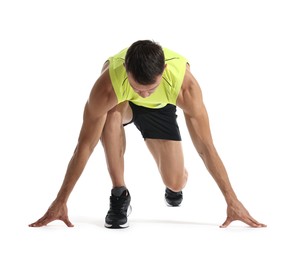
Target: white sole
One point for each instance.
(129, 210)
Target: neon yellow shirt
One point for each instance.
(166, 93)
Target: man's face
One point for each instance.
(144, 90)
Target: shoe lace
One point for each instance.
(117, 204)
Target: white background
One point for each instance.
(51, 54)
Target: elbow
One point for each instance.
(204, 156)
(84, 148)
(205, 151)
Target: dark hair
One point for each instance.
(145, 61)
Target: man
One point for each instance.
(144, 84)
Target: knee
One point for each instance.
(177, 182)
(113, 119)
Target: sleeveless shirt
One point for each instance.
(168, 89)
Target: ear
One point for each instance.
(165, 66)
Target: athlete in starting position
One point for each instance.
(144, 84)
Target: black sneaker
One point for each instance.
(172, 198)
(119, 208)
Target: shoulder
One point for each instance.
(190, 95)
(173, 55)
(190, 85)
(103, 84)
(102, 96)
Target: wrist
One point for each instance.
(61, 198)
(230, 198)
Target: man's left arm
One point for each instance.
(197, 121)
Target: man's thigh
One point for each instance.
(169, 158)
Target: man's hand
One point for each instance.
(237, 211)
(55, 212)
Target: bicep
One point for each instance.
(91, 129)
(101, 99)
(197, 121)
(199, 129)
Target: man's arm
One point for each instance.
(191, 102)
(102, 98)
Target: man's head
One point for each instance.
(144, 63)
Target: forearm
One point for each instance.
(74, 171)
(88, 139)
(217, 170)
(201, 137)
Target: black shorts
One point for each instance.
(158, 123)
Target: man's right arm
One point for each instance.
(102, 98)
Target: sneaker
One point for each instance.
(172, 198)
(119, 208)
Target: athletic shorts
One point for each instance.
(160, 123)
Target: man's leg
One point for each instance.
(170, 161)
(114, 143)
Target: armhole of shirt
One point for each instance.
(180, 80)
(114, 81)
